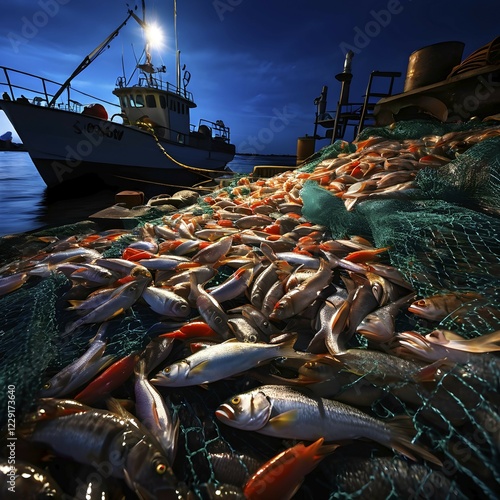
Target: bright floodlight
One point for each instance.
(154, 35)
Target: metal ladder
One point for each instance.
(368, 106)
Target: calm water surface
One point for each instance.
(24, 205)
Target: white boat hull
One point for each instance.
(67, 146)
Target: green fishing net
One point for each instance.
(443, 236)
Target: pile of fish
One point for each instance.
(304, 328)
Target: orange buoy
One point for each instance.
(95, 110)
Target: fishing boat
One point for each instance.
(149, 144)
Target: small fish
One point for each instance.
(221, 361)
(244, 331)
(210, 310)
(282, 475)
(164, 263)
(156, 352)
(262, 283)
(287, 413)
(93, 275)
(214, 252)
(298, 299)
(121, 299)
(112, 378)
(166, 302)
(79, 371)
(13, 282)
(380, 325)
(438, 307)
(152, 410)
(234, 286)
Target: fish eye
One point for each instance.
(236, 400)
(252, 338)
(47, 385)
(218, 320)
(161, 468)
(167, 370)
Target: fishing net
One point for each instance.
(443, 236)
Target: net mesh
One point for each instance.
(443, 235)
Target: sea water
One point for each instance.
(25, 206)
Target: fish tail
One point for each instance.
(286, 349)
(402, 431)
(486, 343)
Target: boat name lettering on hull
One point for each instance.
(98, 130)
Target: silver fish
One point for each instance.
(121, 299)
(301, 297)
(288, 413)
(93, 436)
(210, 310)
(81, 370)
(234, 286)
(153, 411)
(380, 325)
(166, 302)
(221, 361)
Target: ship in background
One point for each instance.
(439, 85)
(150, 144)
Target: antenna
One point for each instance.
(177, 51)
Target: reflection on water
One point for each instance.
(25, 205)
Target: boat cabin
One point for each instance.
(164, 107)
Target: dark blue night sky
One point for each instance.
(257, 65)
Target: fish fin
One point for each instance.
(428, 373)
(401, 434)
(286, 349)
(199, 367)
(74, 304)
(116, 313)
(283, 419)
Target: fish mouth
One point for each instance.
(225, 413)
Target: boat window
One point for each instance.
(178, 107)
(139, 101)
(172, 105)
(123, 101)
(163, 101)
(150, 101)
(182, 109)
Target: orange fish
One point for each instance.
(283, 475)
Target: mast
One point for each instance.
(89, 59)
(177, 51)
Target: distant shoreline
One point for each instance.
(272, 154)
(12, 146)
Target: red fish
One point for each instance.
(191, 330)
(109, 380)
(283, 475)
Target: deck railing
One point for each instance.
(39, 90)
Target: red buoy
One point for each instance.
(95, 110)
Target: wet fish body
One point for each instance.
(287, 413)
